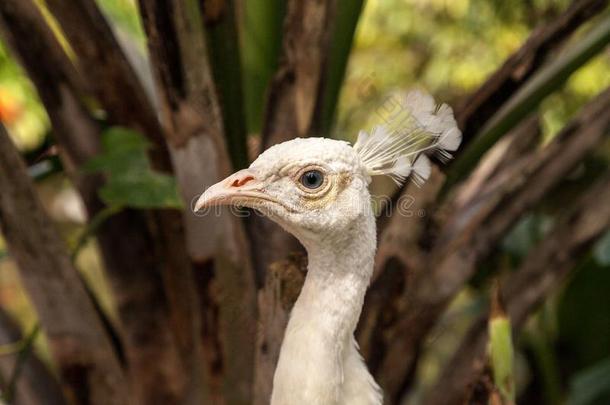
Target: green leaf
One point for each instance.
(223, 48)
(601, 251)
(590, 385)
(147, 190)
(346, 21)
(548, 79)
(261, 40)
(131, 180)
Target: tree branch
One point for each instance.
(282, 287)
(474, 228)
(134, 271)
(545, 267)
(217, 245)
(88, 364)
(476, 110)
(101, 57)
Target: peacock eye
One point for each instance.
(312, 179)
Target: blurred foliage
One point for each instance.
(450, 47)
(20, 110)
(131, 181)
(592, 385)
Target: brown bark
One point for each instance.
(545, 267)
(89, 368)
(35, 385)
(126, 239)
(476, 110)
(108, 73)
(282, 287)
(217, 245)
(474, 227)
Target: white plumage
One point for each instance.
(317, 189)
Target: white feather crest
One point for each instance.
(399, 148)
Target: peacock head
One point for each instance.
(318, 186)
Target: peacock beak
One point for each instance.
(239, 188)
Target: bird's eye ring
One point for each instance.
(312, 179)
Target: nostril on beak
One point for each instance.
(242, 181)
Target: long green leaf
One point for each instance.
(223, 48)
(346, 20)
(261, 40)
(527, 99)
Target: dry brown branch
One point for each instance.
(135, 272)
(545, 267)
(293, 91)
(475, 110)
(89, 367)
(217, 245)
(402, 247)
(475, 226)
(35, 385)
(282, 286)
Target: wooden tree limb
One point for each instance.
(407, 234)
(35, 385)
(135, 272)
(476, 110)
(545, 267)
(294, 89)
(282, 287)
(101, 61)
(88, 365)
(474, 227)
(217, 245)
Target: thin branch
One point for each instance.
(545, 267)
(36, 384)
(25, 351)
(88, 364)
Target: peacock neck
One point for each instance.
(325, 316)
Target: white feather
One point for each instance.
(398, 148)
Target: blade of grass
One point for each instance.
(526, 100)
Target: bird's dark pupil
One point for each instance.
(312, 179)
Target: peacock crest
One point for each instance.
(400, 148)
